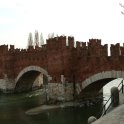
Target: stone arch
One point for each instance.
(30, 68)
(27, 76)
(99, 76)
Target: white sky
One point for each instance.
(84, 19)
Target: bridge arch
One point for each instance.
(110, 75)
(26, 78)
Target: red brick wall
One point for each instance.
(59, 59)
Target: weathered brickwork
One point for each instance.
(76, 62)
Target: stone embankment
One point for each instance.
(115, 115)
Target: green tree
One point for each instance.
(30, 40)
(36, 38)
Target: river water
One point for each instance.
(14, 106)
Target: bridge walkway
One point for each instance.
(115, 115)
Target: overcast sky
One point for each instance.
(84, 19)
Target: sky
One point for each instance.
(83, 19)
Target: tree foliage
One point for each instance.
(30, 40)
(36, 38)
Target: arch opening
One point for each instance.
(95, 89)
(31, 79)
(95, 82)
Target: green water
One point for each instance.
(13, 107)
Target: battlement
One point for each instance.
(94, 42)
(96, 49)
(71, 42)
(115, 50)
(91, 48)
(83, 44)
(78, 44)
(11, 48)
(56, 43)
(3, 49)
(58, 58)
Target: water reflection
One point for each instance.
(14, 106)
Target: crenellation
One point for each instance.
(23, 50)
(12, 48)
(17, 50)
(98, 41)
(44, 47)
(30, 49)
(94, 47)
(37, 48)
(4, 48)
(71, 42)
(83, 44)
(115, 50)
(122, 51)
(50, 43)
(62, 42)
(56, 43)
(78, 44)
(59, 59)
(94, 42)
(105, 50)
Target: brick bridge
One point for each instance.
(68, 68)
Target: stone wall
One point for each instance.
(38, 83)
(55, 91)
(7, 85)
(77, 63)
(60, 92)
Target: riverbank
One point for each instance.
(44, 107)
(14, 106)
(116, 116)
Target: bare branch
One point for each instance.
(121, 5)
(122, 12)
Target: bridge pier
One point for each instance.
(7, 85)
(60, 91)
(56, 91)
